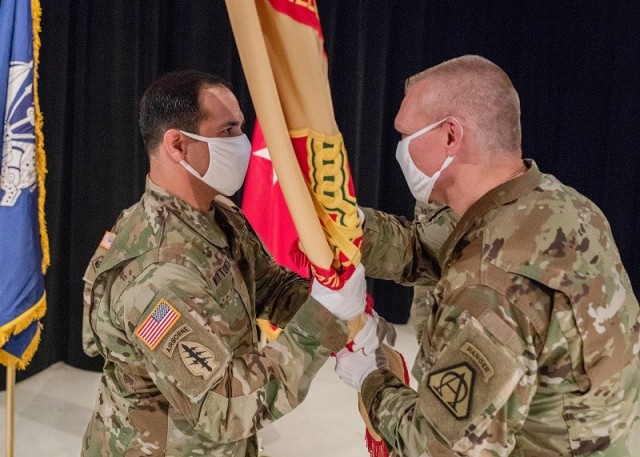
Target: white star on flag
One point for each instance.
(264, 154)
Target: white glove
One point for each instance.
(375, 331)
(346, 303)
(354, 367)
(361, 216)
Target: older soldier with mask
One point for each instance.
(173, 292)
(531, 348)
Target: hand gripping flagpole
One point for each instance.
(264, 94)
(260, 78)
(255, 60)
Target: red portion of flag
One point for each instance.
(265, 207)
(305, 12)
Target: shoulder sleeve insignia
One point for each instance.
(157, 324)
(197, 358)
(107, 239)
(453, 386)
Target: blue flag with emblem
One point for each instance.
(24, 250)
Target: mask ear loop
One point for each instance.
(424, 130)
(195, 136)
(191, 170)
(457, 122)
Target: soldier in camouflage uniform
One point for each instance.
(174, 290)
(532, 346)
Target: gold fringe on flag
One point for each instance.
(21, 363)
(41, 161)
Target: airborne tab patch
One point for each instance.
(172, 342)
(453, 386)
(197, 358)
(157, 324)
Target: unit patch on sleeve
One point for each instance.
(453, 386)
(197, 358)
(157, 324)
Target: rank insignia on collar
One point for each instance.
(453, 386)
(197, 358)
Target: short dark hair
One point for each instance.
(171, 101)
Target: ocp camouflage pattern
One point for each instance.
(532, 347)
(437, 222)
(172, 308)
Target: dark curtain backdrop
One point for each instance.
(576, 65)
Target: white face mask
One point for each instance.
(228, 162)
(420, 184)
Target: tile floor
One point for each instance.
(52, 409)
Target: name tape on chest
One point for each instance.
(222, 272)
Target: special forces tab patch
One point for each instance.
(453, 386)
(158, 323)
(197, 358)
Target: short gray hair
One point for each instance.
(480, 90)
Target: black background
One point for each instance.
(576, 65)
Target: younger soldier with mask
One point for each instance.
(531, 345)
(173, 293)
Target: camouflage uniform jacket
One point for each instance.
(532, 346)
(437, 221)
(171, 305)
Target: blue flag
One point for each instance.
(23, 240)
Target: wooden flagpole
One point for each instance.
(247, 32)
(9, 426)
(264, 94)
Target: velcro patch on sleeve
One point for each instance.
(471, 379)
(157, 324)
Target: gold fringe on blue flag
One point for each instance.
(24, 244)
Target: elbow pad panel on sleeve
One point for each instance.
(227, 419)
(472, 378)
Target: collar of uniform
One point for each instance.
(200, 221)
(496, 197)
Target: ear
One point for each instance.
(174, 144)
(455, 132)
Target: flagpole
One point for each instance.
(9, 428)
(264, 94)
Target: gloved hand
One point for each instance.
(361, 217)
(346, 303)
(354, 367)
(376, 330)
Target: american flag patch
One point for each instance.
(157, 324)
(107, 239)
